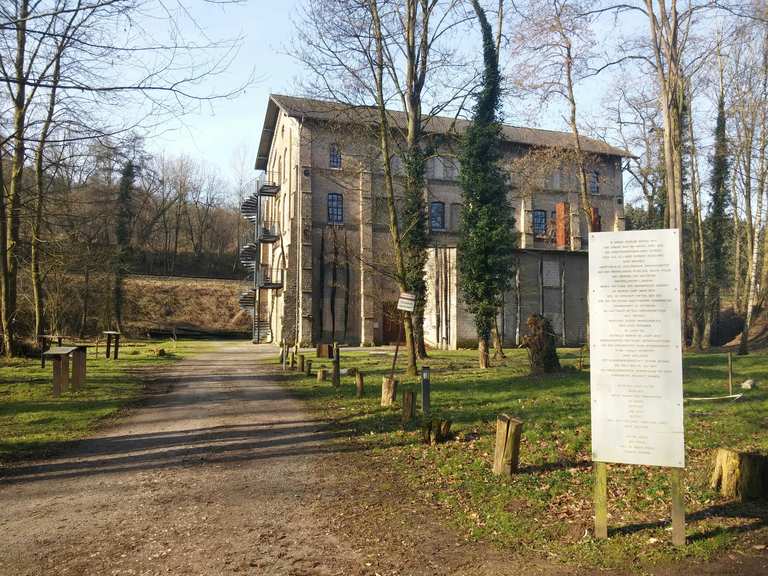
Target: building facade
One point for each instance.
(323, 256)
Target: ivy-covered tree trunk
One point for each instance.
(486, 258)
(122, 238)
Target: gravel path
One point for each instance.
(214, 477)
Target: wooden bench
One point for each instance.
(60, 356)
(111, 334)
(45, 341)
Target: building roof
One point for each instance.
(327, 111)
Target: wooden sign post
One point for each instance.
(636, 369)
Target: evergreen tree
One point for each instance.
(123, 236)
(486, 259)
(717, 225)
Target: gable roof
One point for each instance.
(327, 111)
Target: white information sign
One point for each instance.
(636, 372)
(406, 302)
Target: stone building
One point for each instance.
(323, 254)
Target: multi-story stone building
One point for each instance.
(323, 256)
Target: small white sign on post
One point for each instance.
(406, 302)
(636, 373)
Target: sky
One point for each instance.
(224, 132)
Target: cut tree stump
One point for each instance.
(359, 384)
(308, 368)
(301, 362)
(435, 430)
(409, 406)
(742, 475)
(388, 391)
(506, 456)
(322, 374)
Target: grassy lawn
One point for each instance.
(33, 422)
(547, 507)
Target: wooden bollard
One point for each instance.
(409, 406)
(359, 383)
(388, 391)
(322, 374)
(301, 362)
(308, 368)
(506, 456)
(336, 378)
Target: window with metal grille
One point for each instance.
(335, 208)
(437, 216)
(334, 156)
(539, 223)
(594, 183)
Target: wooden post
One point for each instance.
(117, 344)
(730, 373)
(336, 365)
(321, 374)
(425, 390)
(308, 366)
(301, 362)
(506, 457)
(359, 384)
(109, 345)
(388, 391)
(409, 406)
(678, 506)
(78, 368)
(601, 500)
(58, 377)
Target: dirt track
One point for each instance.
(225, 474)
(211, 478)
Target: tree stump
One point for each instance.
(506, 456)
(301, 362)
(322, 374)
(308, 368)
(742, 475)
(324, 351)
(435, 430)
(336, 366)
(409, 406)
(388, 391)
(359, 384)
(540, 341)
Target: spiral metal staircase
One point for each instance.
(260, 276)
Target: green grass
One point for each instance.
(34, 423)
(547, 507)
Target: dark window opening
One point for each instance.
(335, 208)
(539, 223)
(437, 216)
(334, 156)
(594, 183)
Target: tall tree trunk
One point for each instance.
(386, 150)
(13, 206)
(498, 345)
(483, 356)
(698, 340)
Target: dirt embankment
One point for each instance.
(162, 303)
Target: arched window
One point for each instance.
(437, 216)
(334, 156)
(335, 208)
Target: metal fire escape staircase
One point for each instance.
(260, 276)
